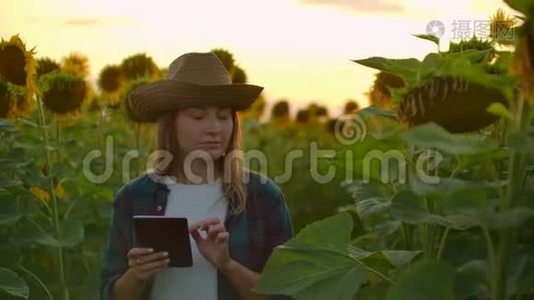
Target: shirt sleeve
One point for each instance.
(115, 261)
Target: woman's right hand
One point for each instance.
(143, 263)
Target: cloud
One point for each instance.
(82, 21)
(368, 6)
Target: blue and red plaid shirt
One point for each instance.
(254, 233)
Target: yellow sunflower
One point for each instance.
(44, 195)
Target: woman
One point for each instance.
(237, 216)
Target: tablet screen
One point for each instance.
(165, 234)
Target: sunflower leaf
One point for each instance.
(12, 284)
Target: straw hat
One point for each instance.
(193, 79)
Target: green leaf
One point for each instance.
(10, 164)
(499, 109)
(427, 279)
(407, 207)
(407, 69)
(468, 56)
(444, 186)
(431, 135)
(372, 111)
(9, 220)
(470, 200)
(524, 6)
(307, 273)
(397, 258)
(385, 260)
(463, 69)
(514, 217)
(429, 37)
(71, 233)
(8, 183)
(375, 292)
(12, 284)
(472, 278)
(7, 125)
(520, 142)
(400, 258)
(332, 232)
(372, 206)
(315, 264)
(27, 121)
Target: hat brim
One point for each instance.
(148, 102)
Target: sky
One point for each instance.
(299, 50)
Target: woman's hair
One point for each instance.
(231, 164)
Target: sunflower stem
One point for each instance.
(58, 141)
(137, 147)
(46, 144)
(517, 170)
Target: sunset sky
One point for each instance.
(299, 50)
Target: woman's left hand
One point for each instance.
(215, 246)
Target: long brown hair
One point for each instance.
(232, 165)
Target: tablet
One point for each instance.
(165, 234)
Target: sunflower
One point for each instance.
(6, 103)
(13, 101)
(17, 68)
(44, 195)
(63, 93)
(138, 66)
(239, 75)
(379, 94)
(46, 65)
(76, 64)
(455, 104)
(503, 27)
(16, 63)
(110, 83)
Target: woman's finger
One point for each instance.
(152, 257)
(214, 230)
(135, 252)
(222, 237)
(150, 273)
(146, 267)
(196, 236)
(205, 223)
(146, 258)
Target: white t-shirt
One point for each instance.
(195, 202)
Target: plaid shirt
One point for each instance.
(254, 233)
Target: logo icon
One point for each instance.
(435, 28)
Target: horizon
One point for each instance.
(300, 51)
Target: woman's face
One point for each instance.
(206, 128)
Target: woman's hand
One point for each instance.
(144, 263)
(215, 246)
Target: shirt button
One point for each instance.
(159, 208)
